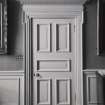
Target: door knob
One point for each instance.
(37, 74)
(34, 74)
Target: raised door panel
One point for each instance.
(42, 35)
(54, 65)
(43, 91)
(63, 35)
(63, 91)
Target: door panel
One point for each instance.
(43, 91)
(43, 37)
(63, 91)
(62, 36)
(54, 61)
(54, 65)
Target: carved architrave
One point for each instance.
(3, 27)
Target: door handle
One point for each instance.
(36, 74)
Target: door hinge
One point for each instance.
(75, 98)
(74, 28)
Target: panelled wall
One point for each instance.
(93, 64)
(93, 88)
(90, 58)
(15, 30)
(14, 59)
(11, 88)
(11, 64)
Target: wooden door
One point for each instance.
(54, 61)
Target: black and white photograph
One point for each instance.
(52, 52)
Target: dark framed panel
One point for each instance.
(100, 16)
(100, 27)
(3, 27)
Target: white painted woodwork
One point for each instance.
(11, 88)
(54, 65)
(43, 88)
(93, 88)
(63, 92)
(55, 40)
(56, 37)
(43, 36)
(53, 2)
(63, 35)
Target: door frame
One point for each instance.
(52, 11)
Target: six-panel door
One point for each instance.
(53, 61)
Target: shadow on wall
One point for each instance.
(15, 29)
(14, 59)
(90, 58)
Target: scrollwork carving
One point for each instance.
(3, 27)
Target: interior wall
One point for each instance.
(90, 59)
(15, 42)
(14, 59)
(10, 61)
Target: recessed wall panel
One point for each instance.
(92, 92)
(9, 91)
